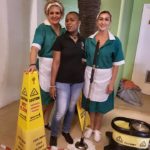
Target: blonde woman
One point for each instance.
(45, 35)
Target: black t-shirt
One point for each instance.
(71, 69)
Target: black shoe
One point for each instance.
(48, 127)
(53, 141)
(68, 137)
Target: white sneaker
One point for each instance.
(54, 148)
(88, 133)
(97, 135)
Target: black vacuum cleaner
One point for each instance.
(128, 134)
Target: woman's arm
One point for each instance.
(33, 58)
(55, 67)
(110, 86)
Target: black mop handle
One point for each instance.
(81, 144)
(94, 61)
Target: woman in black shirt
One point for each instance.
(66, 77)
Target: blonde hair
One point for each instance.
(51, 3)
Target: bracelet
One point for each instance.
(32, 65)
(52, 86)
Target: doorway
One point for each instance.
(141, 68)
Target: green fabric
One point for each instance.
(109, 53)
(45, 37)
(101, 107)
(46, 99)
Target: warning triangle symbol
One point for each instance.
(119, 139)
(24, 92)
(34, 92)
(143, 144)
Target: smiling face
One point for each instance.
(54, 15)
(103, 21)
(72, 22)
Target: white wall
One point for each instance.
(70, 5)
(142, 59)
(14, 41)
(19, 19)
(37, 16)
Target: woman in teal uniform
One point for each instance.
(108, 60)
(45, 35)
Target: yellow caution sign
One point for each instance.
(30, 128)
(82, 114)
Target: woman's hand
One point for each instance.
(54, 70)
(53, 92)
(33, 59)
(32, 68)
(110, 88)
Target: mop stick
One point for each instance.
(82, 144)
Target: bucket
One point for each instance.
(131, 133)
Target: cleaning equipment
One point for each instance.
(81, 114)
(81, 144)
(91, 145)
(128, 134)
(30, 127)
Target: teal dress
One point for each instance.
(109, 54)
(44, 39)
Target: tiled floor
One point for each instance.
(8, 122)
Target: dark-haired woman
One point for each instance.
(108, 60)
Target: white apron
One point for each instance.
(45, 65)
(99, 85)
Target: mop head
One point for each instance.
(91, 146)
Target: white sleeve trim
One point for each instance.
(36, 45)
(83, 59)
(119, 63)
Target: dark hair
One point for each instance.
(73, 12)
(105, 12)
